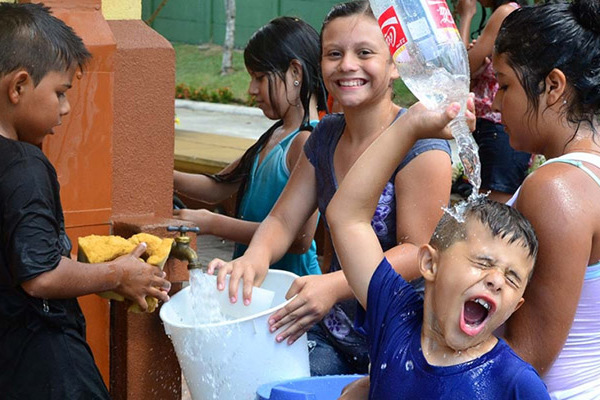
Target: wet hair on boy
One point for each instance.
(32, 39)
(502, 221)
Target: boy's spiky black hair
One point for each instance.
(503, 221)
(31, 38)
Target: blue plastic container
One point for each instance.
(313, 388)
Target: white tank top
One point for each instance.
(576, 372)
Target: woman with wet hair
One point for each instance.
(547, 59)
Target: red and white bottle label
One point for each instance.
(392, 30)
(441, 14)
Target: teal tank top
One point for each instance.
(265, 183)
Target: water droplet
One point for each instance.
(409, 366)
(383, 366)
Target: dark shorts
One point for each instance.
(331, 356)
(503, 169)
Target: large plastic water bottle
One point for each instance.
(432, 62)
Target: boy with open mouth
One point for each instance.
(475, 267)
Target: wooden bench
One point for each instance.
(206, 152)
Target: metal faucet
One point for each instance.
(181, 249)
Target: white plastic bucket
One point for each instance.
(230, 360)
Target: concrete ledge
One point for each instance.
(216, 107)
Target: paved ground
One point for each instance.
(210, 247)
(229, 120)
(223, 119)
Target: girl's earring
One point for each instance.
(296, 83)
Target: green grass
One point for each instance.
(403, 96)
(200, 67)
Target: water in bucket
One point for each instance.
(226, 351)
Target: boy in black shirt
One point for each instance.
(43, 352)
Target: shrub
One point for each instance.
(221, 95)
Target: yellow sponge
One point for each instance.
(98, 249)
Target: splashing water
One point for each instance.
(436, 89)
(468, 152)
(224, 356)
(207, 310)
(205, 306)
(457, 211)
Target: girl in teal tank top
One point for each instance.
(282, 59)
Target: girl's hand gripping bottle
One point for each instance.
(432, 61)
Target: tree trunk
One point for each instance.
(227, 65)
(150, 20)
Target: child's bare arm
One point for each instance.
(356, 390)
(203, 188)
(126, 275)
(295, 206)
(350, 212)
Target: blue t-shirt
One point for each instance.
(320, 149)
(399, 370)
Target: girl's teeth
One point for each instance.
(350, 83)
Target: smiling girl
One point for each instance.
(358, 72)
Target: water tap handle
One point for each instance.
(183, 230)
(181, 246)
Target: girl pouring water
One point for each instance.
(358, 72)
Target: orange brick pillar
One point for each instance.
(143, 362)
